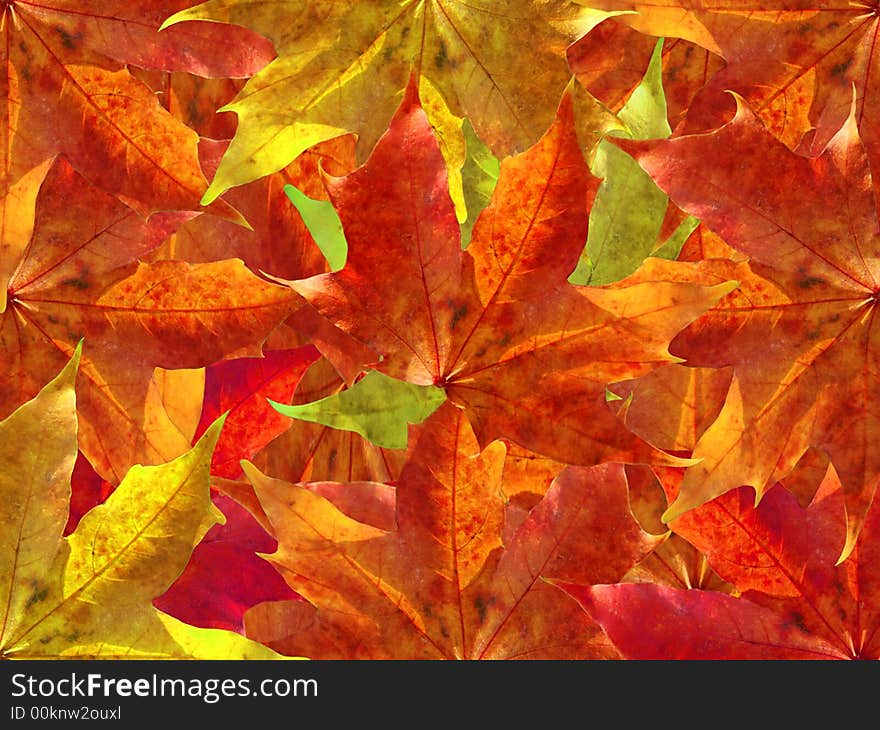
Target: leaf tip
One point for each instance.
(178, 17)
(212, 434)
(744, 111)
(77, 353)
(723, 289)
(211, 194)
(282, 408)
(250, 471)
(679, 506)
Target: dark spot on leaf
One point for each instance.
(37, 596)
(80, 282)
(67, 39)
(840, 68)
(798, 620)
(808, 282)
(195, 114)
(457, 314)
(441, 59)
(482, 605)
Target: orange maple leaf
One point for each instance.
(78, 276)
(800, 332)
(444, 583)
(526, 354)
(67, 91)
(794, 603)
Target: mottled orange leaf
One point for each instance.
(78, 277)
(443, 584)
(781, 558)
(800, 331)
(796, 61)
(610, 61)
(277, 243)
(526, 354)
(67, 90)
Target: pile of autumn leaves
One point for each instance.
(405, 390)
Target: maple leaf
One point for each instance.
(342, 67)
(796, 602)
(78, 276)
(611, 59)
(224, 576)
(797, 63)
(800, 332)
(88, 595)
(240, 389)
(67, 91)
(277, 243)
(442, 584)
(497, 326)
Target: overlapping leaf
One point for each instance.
(498, 326)
(66, 90)
(796, 61)
(277, 243)
(88, 595)
(629, 211)
(795, 604)
(311, 452)
(341, 67)
(78, 276)
(800, 332)
(611, 59)
(224, 576)
(240, 388)
(443, 584)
